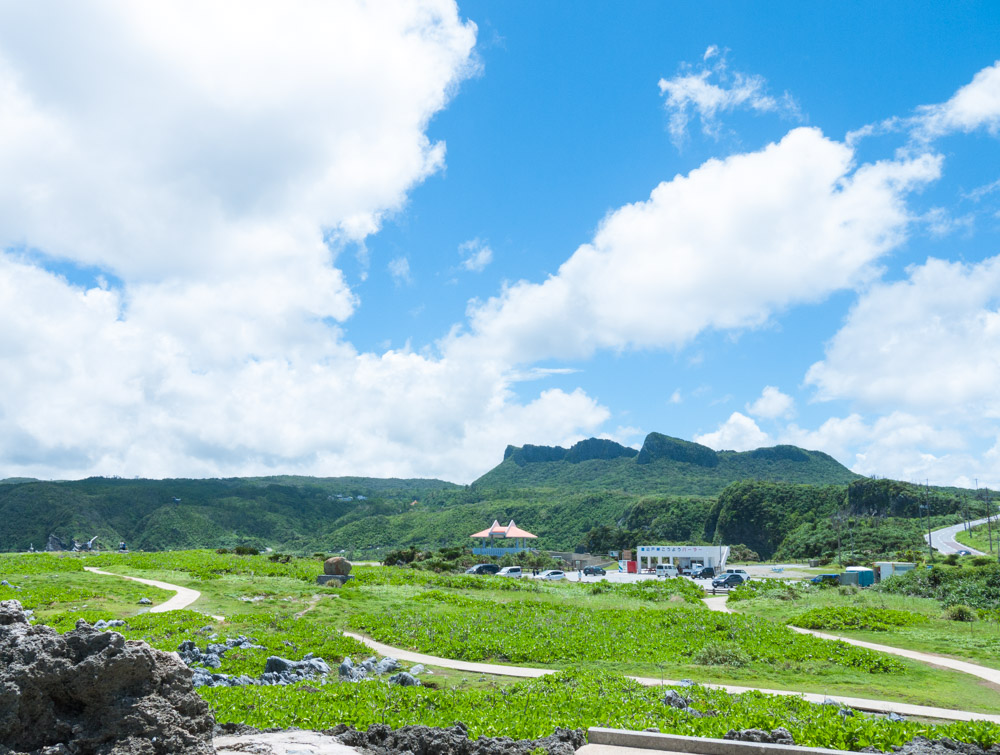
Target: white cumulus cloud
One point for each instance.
(772, 404)
(738, 433)
(722, 248)
(213, 157)
(976, 105)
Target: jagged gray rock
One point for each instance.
(675, 700)
(101, 624)
(404, 679)
(94, 693)
(383, 740)
(945, 746)
(779, 736)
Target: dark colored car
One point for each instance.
(483, 569)
(593, 571)
(826, 579)
(964, 553)
(706, 572)
(728, 580)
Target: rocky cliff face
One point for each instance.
(585, 450)
(94, 693)
(657, 446)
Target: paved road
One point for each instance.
(943, 540)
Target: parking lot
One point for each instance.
(787, 571)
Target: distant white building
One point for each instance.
(682, 556)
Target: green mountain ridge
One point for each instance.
(596, 494)
(664, 465)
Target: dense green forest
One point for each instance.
(595, 496)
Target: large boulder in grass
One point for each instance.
(94, 693)
(338, 565)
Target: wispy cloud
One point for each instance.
(709, 89)
(399, 269)
(476, 255)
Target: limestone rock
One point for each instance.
(382, 740)
(94, 693)
(338, 565)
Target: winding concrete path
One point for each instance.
(874, 706)
(184, 596)
(942, 661)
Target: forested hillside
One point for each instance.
(596, 496)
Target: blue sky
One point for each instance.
(391, 240)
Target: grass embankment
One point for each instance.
(596, 632)
(983, 538)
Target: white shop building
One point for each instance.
(682, 556)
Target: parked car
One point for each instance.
(483, 569)
(690, 571)
(741, 572)
(552, 574)
(666, 570)
(826, 579)
(510, 571)
(706, 572)
(593, 571)
(728, 580)
(964, 552)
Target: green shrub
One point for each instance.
(246, 550)
(766, 588)
(857, 617)
(721, 655)
(960, 613)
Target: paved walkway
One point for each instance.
(942, 661)
(944, 539)
(184, 596)
(876, 706)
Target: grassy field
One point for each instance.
(978, 642)
(595, 633)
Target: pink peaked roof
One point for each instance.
(498, 530)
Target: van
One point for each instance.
(510, 571)
(666, 570)
(741, 572)
(483, 569)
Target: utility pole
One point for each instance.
(927, 505)
(989, 519)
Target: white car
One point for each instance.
(552, 574)
(741, 572)
(666, 570)
(510, 571)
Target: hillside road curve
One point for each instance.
(943, 540)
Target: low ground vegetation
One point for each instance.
(593, 631)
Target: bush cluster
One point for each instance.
(857, 617)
